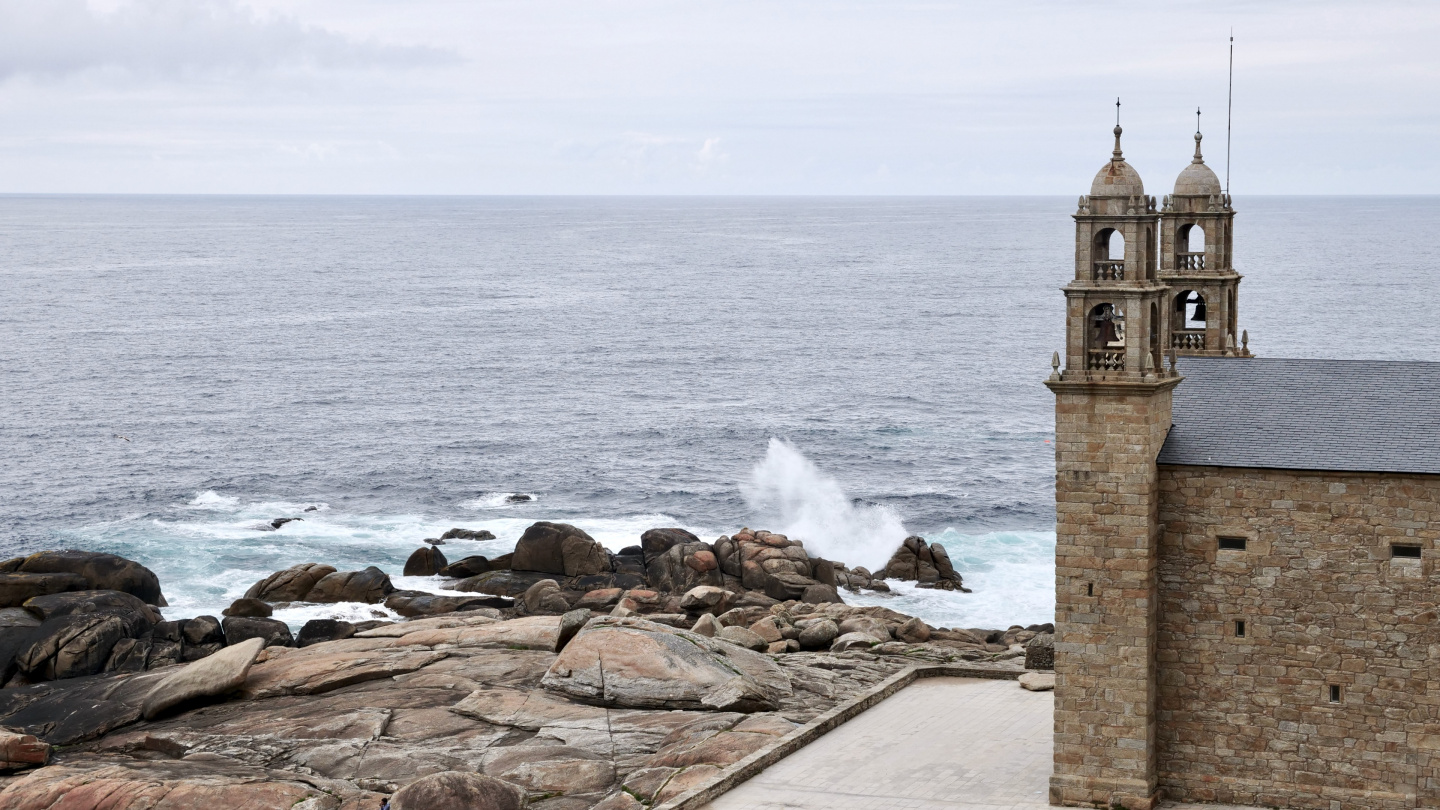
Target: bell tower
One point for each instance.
(1112, 412)
(1196, 241)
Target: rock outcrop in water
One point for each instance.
(927, 564)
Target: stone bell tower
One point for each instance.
(1112, 412)
(1196, 240)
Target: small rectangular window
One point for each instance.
(1232, 543)
(1405, 552)
(1334, 693)
(1089, 589)
(1239, 629)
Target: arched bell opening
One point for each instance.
(1190, 247)
(1108, 255)
(1105, 338)
(1188, 321)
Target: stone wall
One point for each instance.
(1106, 493)
(1248, 719)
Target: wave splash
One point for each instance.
(788, 492)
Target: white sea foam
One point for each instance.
(789, 494)
(1011, 574)
(297, 614)
(498, 500)
(214, 501)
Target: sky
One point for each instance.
(708, 97)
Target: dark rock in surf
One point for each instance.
(318, 630)
(518, 498)
(278, 522)
(559, 548)
(371, 586)
(291, 585)
(468, 567)
(467, 534)
(250, 607)
(425, 562)
(926, 564)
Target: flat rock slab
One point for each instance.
(127, 784)
(529, 633)
(939, 743)
(216, 674)
(316, 670)
(643, 665)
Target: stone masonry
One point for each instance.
(1248, 719)
(1107, 504)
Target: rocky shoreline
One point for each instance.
(561, 676)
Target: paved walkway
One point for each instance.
(938, 744)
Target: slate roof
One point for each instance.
(1346, 415)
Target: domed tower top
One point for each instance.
(1197, 178)
(1117, 178)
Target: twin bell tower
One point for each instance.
(1151, 282)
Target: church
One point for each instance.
(1246, 588)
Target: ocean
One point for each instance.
(176, 371)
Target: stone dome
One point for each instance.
(1197, 178)
(1117, 178)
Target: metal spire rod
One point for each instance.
(1229, 103)
(1117, 111)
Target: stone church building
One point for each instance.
(1246, 581)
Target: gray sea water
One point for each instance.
(404, 364)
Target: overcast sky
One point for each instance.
(706, 97)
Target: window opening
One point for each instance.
(1190, 248)
(1334, 693)
(1240, 629)
(1405, 552)
(1089, 589)
(1232, 543)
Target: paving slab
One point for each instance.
(938, 744)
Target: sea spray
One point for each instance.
(789, 494)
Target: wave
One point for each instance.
(789, 494)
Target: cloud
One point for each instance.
(179, 37)
(710, 155)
